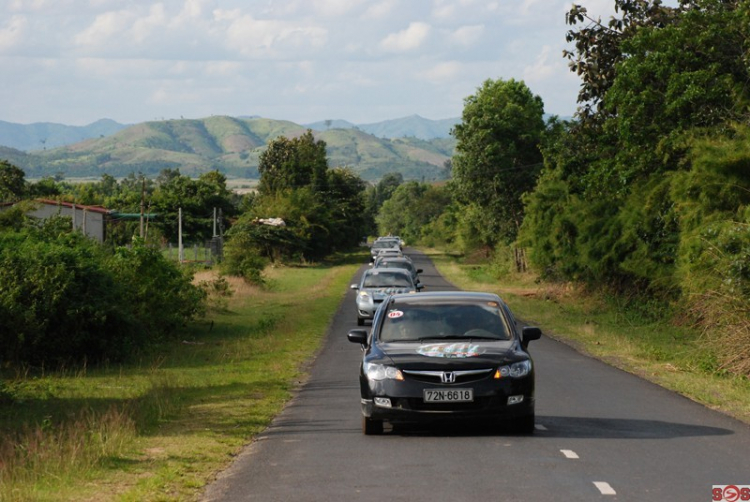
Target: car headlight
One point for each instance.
(382, 372)
(515, 370)
(364, 294)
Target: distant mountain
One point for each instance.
(325, 125)
(414, 126)
(407, 127)
(46, 135)
(232, 146)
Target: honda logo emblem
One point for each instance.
(448, 377)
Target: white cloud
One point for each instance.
(380, 10)
(542, 69)
(154, 22)
(467, 35)
(406, 40)
(443, 71)
(12, 34)
(126, 59)
(265, 38)
(335, 7)
(526, 6)
(104, 27)
(30, 5)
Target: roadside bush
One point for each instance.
(241, 258)
(160, 293)
(66, 299)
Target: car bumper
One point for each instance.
(366, 310)
(404, 402)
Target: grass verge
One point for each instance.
(160, 429)
(675, 357)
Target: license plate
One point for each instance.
(448, 395)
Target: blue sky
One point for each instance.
(77, 61)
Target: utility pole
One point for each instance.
(180, 252)
(143, 202)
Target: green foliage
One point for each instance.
(64, 298)
(12, 182)
(599, 48)
(648, 191)
(197, 199)
(412, 210)
(293, 163)
(497, 157)
(713, 200)
(322, 210)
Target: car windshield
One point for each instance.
(462, 321)
(396, 264)
(385, 244)
(385, 279)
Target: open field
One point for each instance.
(161, 427)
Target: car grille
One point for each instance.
(479, 404)
(460, 377)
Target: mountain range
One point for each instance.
(416, 147)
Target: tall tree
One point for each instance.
(12, 182)
(497, 157)
(293, 163)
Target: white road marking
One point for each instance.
(569, 453)
(540, 427)
(605, 488)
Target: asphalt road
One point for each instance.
(601, 434)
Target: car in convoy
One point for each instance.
(403, 262)
(446, 355)
(376, 285)
(382, 245)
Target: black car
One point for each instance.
(445, 355)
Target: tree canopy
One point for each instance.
(497, 157)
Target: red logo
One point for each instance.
(730, 493)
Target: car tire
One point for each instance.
(525, 425)
(371, 427)
(360, 321)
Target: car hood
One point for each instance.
(452, 353)
(383, 292)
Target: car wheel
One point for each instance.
(371, 427)
(525, 425)
(360, 321)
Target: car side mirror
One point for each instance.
(354, 286)
(419, 270)
(358, 336)
(529, 333)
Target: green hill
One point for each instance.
(232, 146)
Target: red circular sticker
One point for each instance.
(394, 314)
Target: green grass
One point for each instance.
(161, 428)
(633, 339)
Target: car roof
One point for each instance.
(437, 297)
(393, 259)
(389, 271)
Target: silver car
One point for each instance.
(399, 262)
(376, 285)
(383, 245)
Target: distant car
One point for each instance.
(388, 253)
(376, 285)
(394, 237)
(446, 355)
(381, 245)
(403, 263)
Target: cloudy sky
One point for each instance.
(77, 61)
